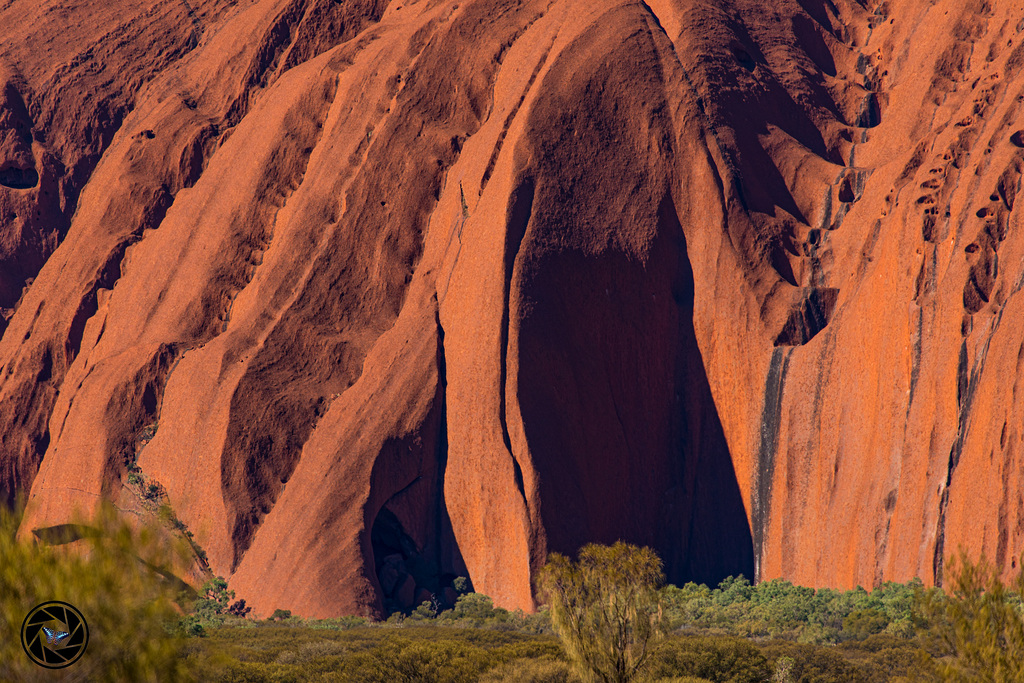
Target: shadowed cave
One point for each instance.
(415, 556)
(410, 573)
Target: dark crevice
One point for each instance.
(111, 272)
(520, 210)
(967, 379)
(272, 46)
(139, 405)
(915, 367)
(196, 153)
(870, 114)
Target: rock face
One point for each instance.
(383, 293)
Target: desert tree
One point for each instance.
(606, 609)
(975, 631)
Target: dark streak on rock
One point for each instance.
(915, 367)
(771, 416)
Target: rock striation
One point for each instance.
(387, 292)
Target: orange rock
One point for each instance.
(383, 294)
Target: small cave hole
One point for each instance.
(744, 58)
(846, 190)
(149, 400)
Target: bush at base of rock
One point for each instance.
(530, 671)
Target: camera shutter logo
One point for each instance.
(54, 635)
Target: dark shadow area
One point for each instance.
(410, 574)
(813, 43)
(618, 411)
(62, 534)
(808, 317)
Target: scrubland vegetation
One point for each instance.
(607, 617)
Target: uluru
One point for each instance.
(374, 294)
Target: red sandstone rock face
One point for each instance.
(411, 290)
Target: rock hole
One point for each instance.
(971, 248)
(982, 212)
(19, 178)
(744, 58)
(1017, 139)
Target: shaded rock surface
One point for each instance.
(385, 293)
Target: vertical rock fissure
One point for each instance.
(521, 207)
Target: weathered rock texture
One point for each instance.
(416, 289)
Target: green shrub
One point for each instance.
(530, 671)
(862, 623)
(403, 661)
(722, 660)
(778, 609)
